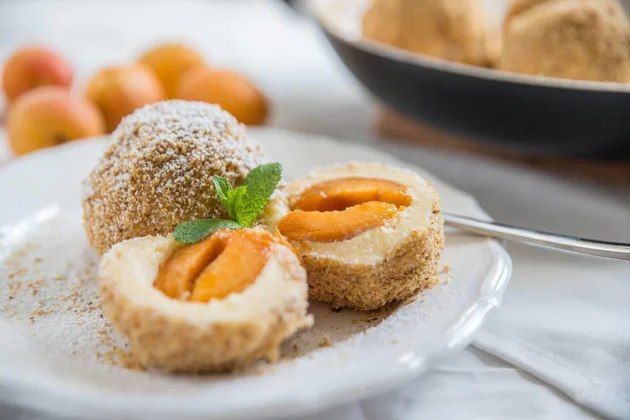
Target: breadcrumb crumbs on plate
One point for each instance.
(326, 342)
(56, 286)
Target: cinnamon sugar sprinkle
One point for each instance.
(50, 291)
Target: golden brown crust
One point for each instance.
(185, 343)
(158, 171)
(572, 39)
(519, 6)
(450, 29)
(174, 345)
(612, 7)
(406, 270)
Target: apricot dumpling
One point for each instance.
(158, 171)
(216, 305)
(570, 39)
(369, 234)
(455, 30)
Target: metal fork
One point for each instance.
(616, 250)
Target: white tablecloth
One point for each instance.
(581, 302)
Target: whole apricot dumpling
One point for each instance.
(158, 171)
(216, 305)
(369, 234)
(571, 39)
(455, 30)
(611, 7)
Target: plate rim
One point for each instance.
(29, 394)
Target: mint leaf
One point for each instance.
(222, 187)
(196, 230)
(235, 198)
(243, 204)
(260, 184)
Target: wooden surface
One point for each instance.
(390, 123)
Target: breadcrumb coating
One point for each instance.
(455, 30)
(158, 171)
(611, 7)
(571, 39)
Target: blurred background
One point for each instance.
(281, 52)
(453, 75)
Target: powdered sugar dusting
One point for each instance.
(158, 171)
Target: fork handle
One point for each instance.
(616, 250)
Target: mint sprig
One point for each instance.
(243, 204)
(196, 230)
(259, 185)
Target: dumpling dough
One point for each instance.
(612, 7)
(454, 30)
(571, 39)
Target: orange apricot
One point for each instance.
(228, 89)
(223, 263)
(338, 194)
(118, 91)
(33, 67)
(337, 225)
(177, 276)
(170, 62)
(51, 115)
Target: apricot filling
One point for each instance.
(339, 194)
(340, 209)
(223, 263)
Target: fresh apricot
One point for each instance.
(338, 194)
(33, 67)
(51, 115)
(118, 91)
(170, 62)
(231, 90)
(331, 226)
(225, 262)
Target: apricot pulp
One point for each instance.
(226, 262)
(340, 209)
(331, 226)
(339, 194)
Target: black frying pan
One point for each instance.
(532, 114)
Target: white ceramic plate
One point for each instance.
(55, 350)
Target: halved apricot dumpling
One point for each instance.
(369, 234)
(342, 208)
(216, 305)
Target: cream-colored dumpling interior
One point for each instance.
(131, 267)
